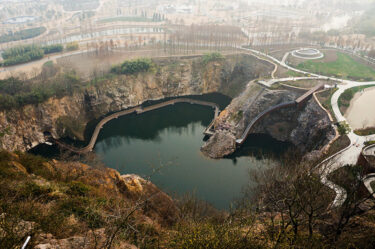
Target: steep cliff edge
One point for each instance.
(68, 115)
(307, 127)
(65, 204)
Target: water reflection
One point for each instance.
(165, 144)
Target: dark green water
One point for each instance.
(164, 145)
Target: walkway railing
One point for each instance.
(369, 150)
(138, 110)
(246, 133)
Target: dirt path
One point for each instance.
(360, 113)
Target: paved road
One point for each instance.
(348, 155)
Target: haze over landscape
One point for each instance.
(187, 124)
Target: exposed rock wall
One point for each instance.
(69, 115)
(308, 127)
(80, 185)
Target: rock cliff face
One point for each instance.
(307, 127)
(69, 115)
(62, 188)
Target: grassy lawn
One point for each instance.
(367, 143)
(302, 83)
(291, 73)
(347, 96)
(344, 67)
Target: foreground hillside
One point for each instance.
(63, 204)
(52, 200)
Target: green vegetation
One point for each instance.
(367, 143)
(22, 34)
(71, 46)
(49, 69)
(347, 96)
(302, 83)
(27, 53)
(286, 207)
(134, 66)
(126, 19)
(344, 67)
(209, 57)
(291, 73)
(365, 131)
(343, 128)
(49, 201)
(22, 54)
(77, 5)
(15, 93)
(53, 49)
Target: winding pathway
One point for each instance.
(350, 154)
(138, 110)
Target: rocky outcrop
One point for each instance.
(222, 143)
(307, 127)
(68, 116)
(67, 191)
(93, 239)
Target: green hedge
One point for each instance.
(27, 53)
(53, 49)
(133, 66)
(16, 93)
(207, 58)
(71, 46)
(22, 34)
